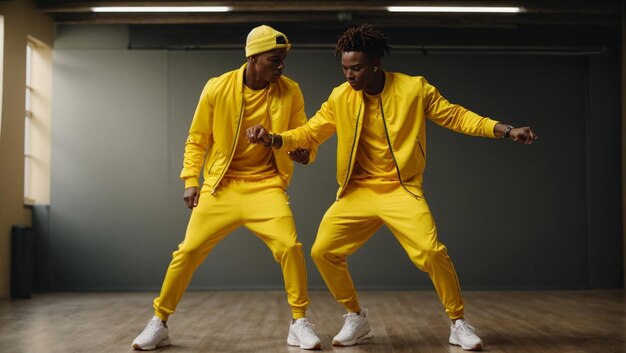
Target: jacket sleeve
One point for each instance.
(198, 140)
(298, 118)
(317, 130)
(453, 116)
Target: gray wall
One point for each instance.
(512, 216)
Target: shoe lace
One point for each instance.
(153, 326)
(351, 320)
(305, 328)
(465, 329)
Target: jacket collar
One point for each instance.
(240, 77)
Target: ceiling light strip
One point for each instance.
(462, 9)
(162, 9)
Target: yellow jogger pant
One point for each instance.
(259, 205)
(363, 208)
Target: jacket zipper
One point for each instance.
(269, 115)
(393, 156)
(267, 108)
(232, 149)
(356, 129)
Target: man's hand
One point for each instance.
(258, 134)
(300, 155)
(523, 135)
(191, 197)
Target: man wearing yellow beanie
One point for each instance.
(244, 185)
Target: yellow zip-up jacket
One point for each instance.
(406, 101)
(217, 122)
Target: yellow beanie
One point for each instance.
(265, 38)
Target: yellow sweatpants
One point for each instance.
(363, 208)
(261, 206)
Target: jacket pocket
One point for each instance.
(419, 144)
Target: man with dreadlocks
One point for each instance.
(380, 122)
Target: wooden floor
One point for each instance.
(257, 321)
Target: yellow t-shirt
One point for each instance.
(373, 158)
(252, 161)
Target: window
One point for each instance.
(1, 65)
(28, 157)
(37, 123)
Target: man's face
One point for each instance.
(269, 65)
(358, 68)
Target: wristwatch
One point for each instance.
(507, 131)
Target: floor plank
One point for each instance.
(257, 322)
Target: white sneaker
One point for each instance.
(153, 336)
(301, 335)
(462, 334)
(356, 328)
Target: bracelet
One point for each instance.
(507, 131)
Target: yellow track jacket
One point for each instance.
(406, 101)
(216, 127)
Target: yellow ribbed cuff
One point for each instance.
(298, 314)
(489, 127)
(191, 183)
(287, 142)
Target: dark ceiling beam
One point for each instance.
(562, 7)
(585, 26)
(346, 12)
(199, 36)
(392, 20)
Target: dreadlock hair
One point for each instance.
(363, 38)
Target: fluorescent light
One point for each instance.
(491, 9)
(162, 9)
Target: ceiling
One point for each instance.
(545, 25)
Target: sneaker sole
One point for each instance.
(477, 347)
(367, 336)
(166, 342)
(295, 343)
(314, 348)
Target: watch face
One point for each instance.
(507, 131)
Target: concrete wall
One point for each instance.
(513, 216)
